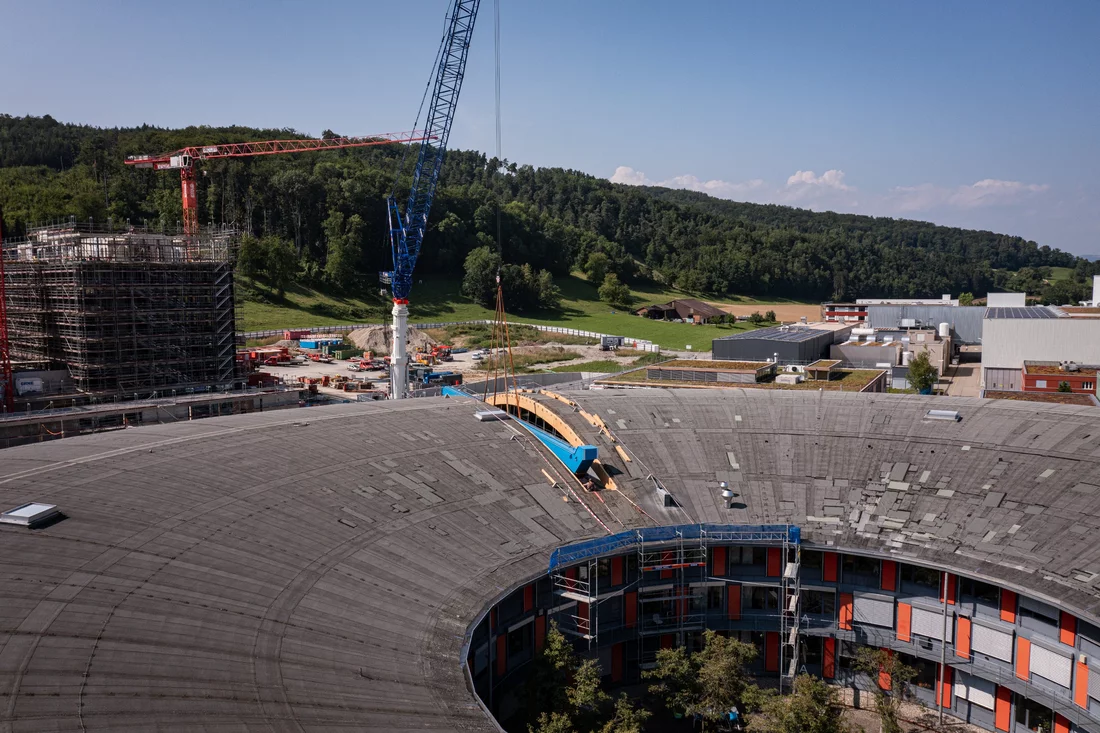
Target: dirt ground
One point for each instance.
(785, 313)
(378, 340)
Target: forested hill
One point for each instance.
(329, 207)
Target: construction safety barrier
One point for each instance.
(763, 533)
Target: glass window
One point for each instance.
(860, 570)
(699, 599)
(1033, 716)
(811, 559)
(519, 640)
(811, 650)
(926, 671)
(1039, 616)
(818, 602)
(761, 597)
(714, 597)
(925, 577)
(977, 590)
(631, 565)
(848, 654)
(603, 569)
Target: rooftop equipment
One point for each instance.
(952, 415)
(29, 515)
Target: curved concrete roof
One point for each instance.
(318, 569)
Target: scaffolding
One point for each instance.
(129, 314)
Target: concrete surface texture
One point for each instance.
(318, 569)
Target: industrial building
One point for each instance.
(1013, 336)
(798, 343)
(103, 314)
(181, 587)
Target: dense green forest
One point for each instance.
(319, 218)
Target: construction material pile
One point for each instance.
(378, 339)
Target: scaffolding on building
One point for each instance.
(129, 313)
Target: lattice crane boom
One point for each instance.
(184, 160)
(407, 229)
(5, 343)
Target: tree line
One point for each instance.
(327, 208)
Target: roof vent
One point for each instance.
(952, 415)
(30, 515)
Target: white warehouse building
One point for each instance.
(1011, 336)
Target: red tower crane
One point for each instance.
(5, 344)
(184, 160)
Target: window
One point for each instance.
(1040, 384)
(1033, 715)
(1029, 611)
(811, 651)
(698, 598)
(748, 555)
(818, 602)
(811, 560)
(848, 653)
(924, 577)
(1087, 385)
(714, 597)
(519, 640)
(976, 590)
(926, 671)
(860, 571)
(761, 597)
(631, 566)
(603, 570)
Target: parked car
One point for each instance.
(477, 357)
(354, 368)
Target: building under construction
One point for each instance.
(127, 314)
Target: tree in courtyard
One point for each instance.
(707, 683)
(891, 688)
(627, 717)
(922, 375)
(1064, 387)
(966, 299)
(614, 291)
(812, 707)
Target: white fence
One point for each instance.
(627, 341)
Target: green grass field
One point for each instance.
(438, 299)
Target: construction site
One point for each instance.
(127, 314)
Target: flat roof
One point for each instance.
(777, 333)
(1034, 311)
(321, 566)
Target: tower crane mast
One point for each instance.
(184, 160)
(5, 343)
(407, 229)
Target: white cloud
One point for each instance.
(717, 188)
(829, 179)
(987, 192)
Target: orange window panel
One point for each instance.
(1067, 629)
(962, 638)
(1081, 685)
(1061, 725)
(775, 562)
(889, 580)
(502, 655)
(771, 651)
(905, 621)
(540, 632)
(828, 662)
(630, 609)
(828, 567)
(1002, 713)
(1023, 658)
(617, 654)
(945, 689)
(666, 641)
(733, 601)
(952, 581)
(616, 571)
(845, 612)
(1008, 606)
(718, 564)
(528, 597)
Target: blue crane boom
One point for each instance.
(407, 229)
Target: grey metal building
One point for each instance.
(965, 320)
(790, 344)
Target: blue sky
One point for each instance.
(980, 114)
